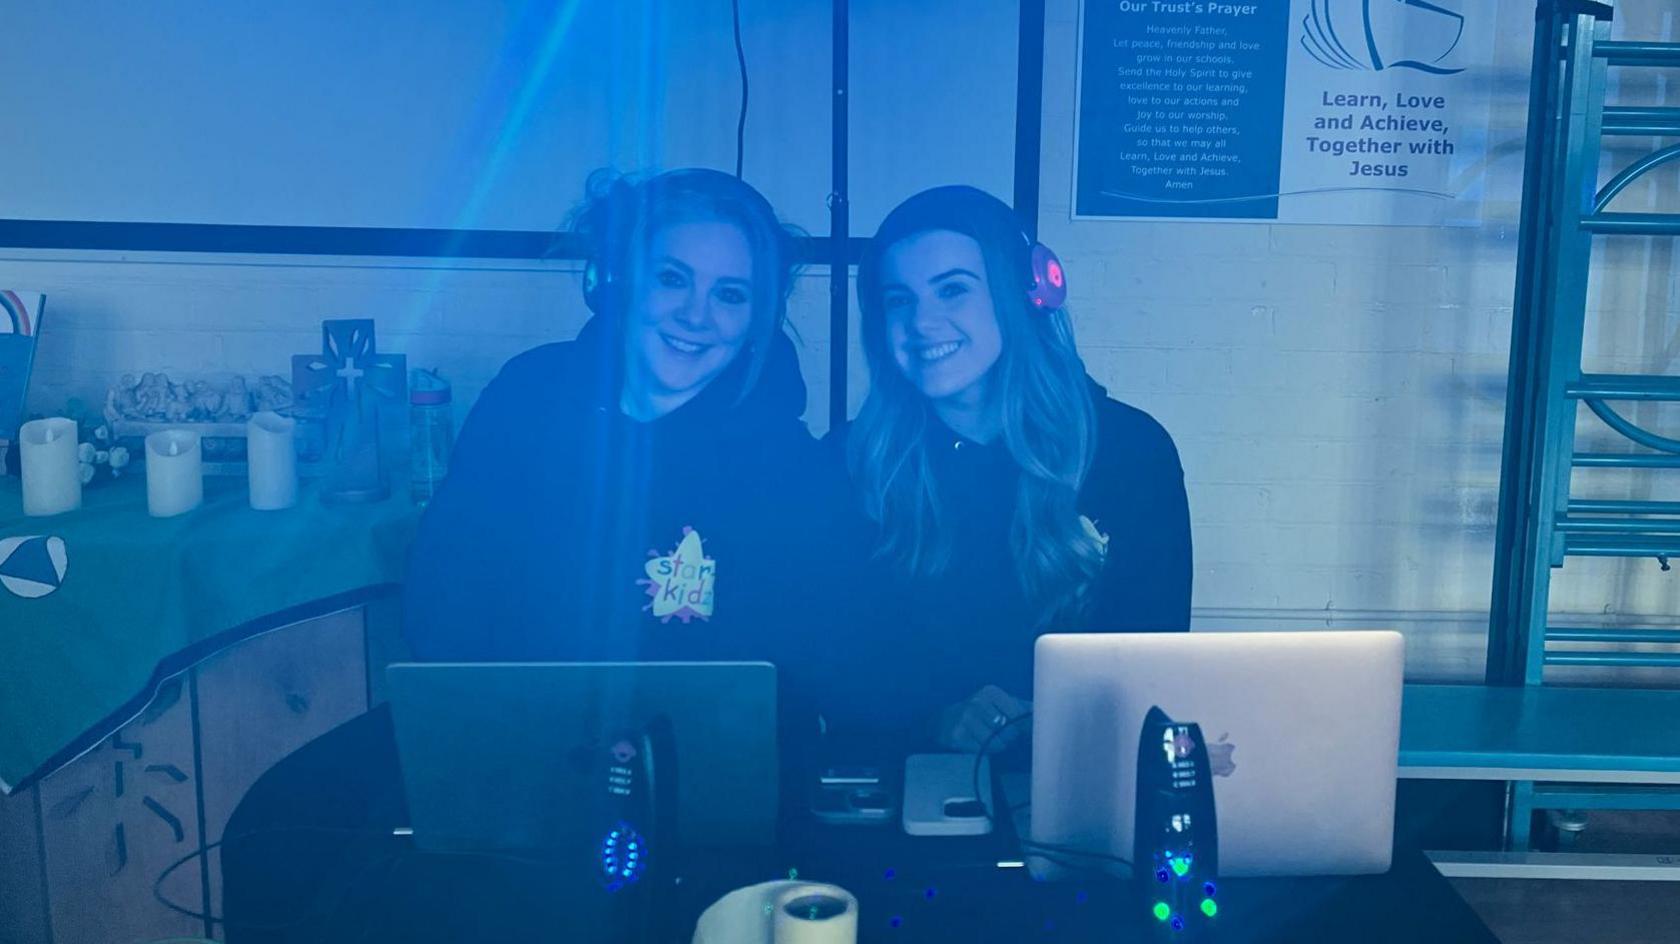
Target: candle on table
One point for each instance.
(174, 473)
(271, 461)
(52, 478)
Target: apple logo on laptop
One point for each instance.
(1220, 763)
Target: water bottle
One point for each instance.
(431, 432)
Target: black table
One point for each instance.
(348, 878)
(909, 890)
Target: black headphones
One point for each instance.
(600, 286)
(622, 206)
(618, 209)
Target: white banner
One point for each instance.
(1381, 116)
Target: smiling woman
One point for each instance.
(1006, 494)
(692, 319)
(634, 495)
(671, 423)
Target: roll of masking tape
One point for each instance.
(816, 914)
(757, 914)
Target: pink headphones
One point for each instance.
(972, 211)
(1049, 283)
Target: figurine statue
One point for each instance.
(236, 402)
(273, 393)
(154, 398)
(152, 395)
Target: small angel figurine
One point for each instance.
(273, 393)
(150, 396)
(204, 401)
(236, 402)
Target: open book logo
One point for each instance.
(1373, 35)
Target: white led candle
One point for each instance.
(174, 473)
(52, 480)
(271, 461)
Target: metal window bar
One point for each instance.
(1563, 209)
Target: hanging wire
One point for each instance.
(740, 57)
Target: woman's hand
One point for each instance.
(966, 725)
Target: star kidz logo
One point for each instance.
(681, 583)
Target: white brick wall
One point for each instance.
(189, 315)
(1337, 392)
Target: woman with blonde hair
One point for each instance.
(1007, 494)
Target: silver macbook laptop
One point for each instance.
(1303, 732)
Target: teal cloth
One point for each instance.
(142, 597)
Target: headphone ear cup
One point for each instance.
(598, 288)
(1049, 280)
(592, 286)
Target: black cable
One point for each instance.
(980, 757)
(157, 886)
(740, 57)
(1070, 866)
(1044, 847)
(1027, 845)
(370, 921)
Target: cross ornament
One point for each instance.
(350, 372)
(347, 388)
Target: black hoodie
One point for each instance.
(935, 641)
(567, 532)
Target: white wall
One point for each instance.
(477, 115)
(483, 115)
(1336, 392)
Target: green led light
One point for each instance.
(1209, 908)
(1162, 911)
(1180, 867)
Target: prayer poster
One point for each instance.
(1291, 111)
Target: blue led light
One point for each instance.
(1163, 876)
(621, 857)
(1177, 923)
(929, 894)
(1208, 889)
(890, 874)
(896, 921)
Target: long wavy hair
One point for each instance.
(620, 215)
(1037, 388)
